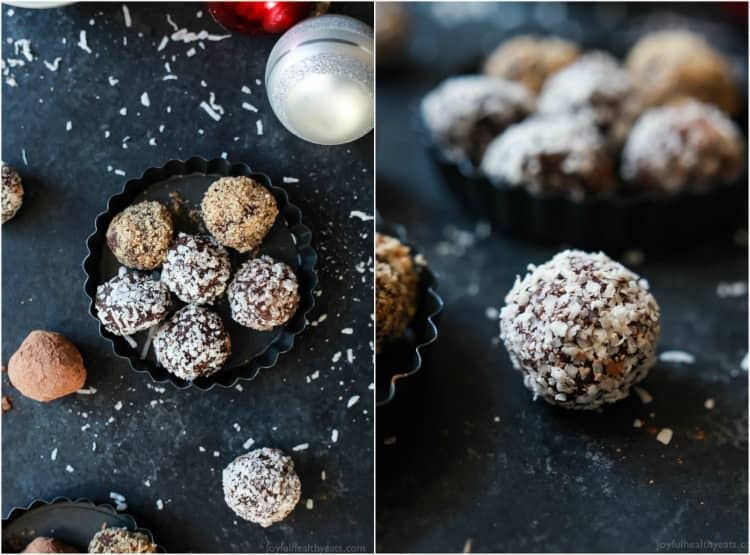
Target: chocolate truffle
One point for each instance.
(557, 154)
(46, 367)
(131, 302)
(48, 545)
(263, 294)
(261, 486)
(688, 146)
(397, 280)
(581, 328)
(12, 193)
(196, 269)
(530, 60)
(391, 31)
(676, 64)
(595, 85)
(139, 236)
(239, 212)
(193, 343)
(121, 540)
(465, 113)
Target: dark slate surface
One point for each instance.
(152, 447)
(475, 462)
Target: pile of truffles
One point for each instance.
(107, 540)
(546, 116)
(158, 265)
(581, 328)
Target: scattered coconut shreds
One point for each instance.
(336, 357)
(491, 313)
(172, 23)
(145, 100)
(290, 180)
(126, 15)
(168, 77)
(664, 436)
(643, 395)
(248, 444)
(249, 107)
(206, 108)
(216, 453)
(162, 44)
(353, 400)
(743, 364)
(301, 447)
(350, 356)
(54, 65)
(309, 504)
(123, 111)
(246, 89)
(147, 483)
(117, 496)
(347, 331)
(259, 127)
(112, 81)
(118, 405)
(26, 163)
(637, 423)
(361, 215)
(70, 469)
(334, 435)
(23, 47)
(190, 53)
(679, 357)
(68, 125)
(53, 455)
(183, 35)
(323, 475)
(82, 44)
(709, 404)
(127, 338)
(121, 172)
(159, 505)
(733, 289)
(86, 391)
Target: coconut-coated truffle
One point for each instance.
(192, 343)
(530, 60)
(687, 146)
(676, 64)
(196, 269)
(557, 154)
(131, 302)
(121, 540)
(581, 328)
(263, 294)
(239, 212)
(43, 544)
(139, 236)
(12, 193)
(396, 288)
(598, 86)
(465, 113)
(46, 367)
(261, 486)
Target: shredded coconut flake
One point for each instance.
(664, 436)
(679, 357)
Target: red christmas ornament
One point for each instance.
(259, 17)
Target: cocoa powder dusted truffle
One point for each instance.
(139, 236)
(192, 343)
(196, 269)
(688, 146)
(121, 540)
(397, 280)
(530, 60)
(46, 367)
(131, 302)
(598, 86)
(581, 328)
(239, 212)
(12, 193)
(263, 294)
(557, 154)
(677, 64)
(43, 544)
(465, 113)
(261, 486)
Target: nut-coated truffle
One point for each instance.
(465, 113)
(396, 288)
(46, 367)
(12, 193)
(263, 294)
(196, 269)
(43, 544)
(239, 212)
(530, 59)
(581, 328)
(131, 302)
(598, 86)
(261, 486)
(687, 146)
(557, 154)
(676, 64)
(121, 540)
(192, 343)
(139, 236)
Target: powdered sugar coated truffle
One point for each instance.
(196, 269)
(261, 486)
(263, 294)
(465, 113)
(690, 145)
(131, 302)
(193, 343)
(581, 328)
(563, 153)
